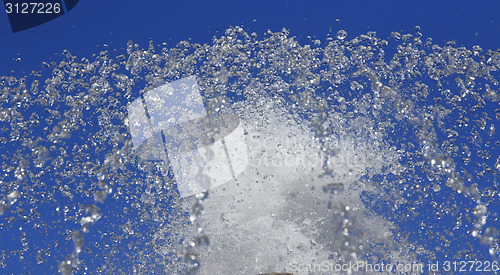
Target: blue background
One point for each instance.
(91, 24)
(94, 23)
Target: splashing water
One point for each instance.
(363, 150)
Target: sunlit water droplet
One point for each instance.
(341, 35)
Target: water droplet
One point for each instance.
(341, 35)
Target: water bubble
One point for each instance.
(65, 268)
(436, 188)
(13, 196)
(341, 35)
(4, 115)
(77, 238)
(396, 35)
(489, 236)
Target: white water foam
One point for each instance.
(279, 216)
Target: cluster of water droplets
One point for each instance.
(361, 149)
